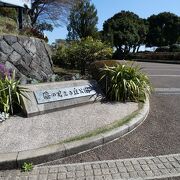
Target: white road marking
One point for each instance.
(167, 91)
(154, 69)
(163, 75)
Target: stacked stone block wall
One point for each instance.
(30, 57)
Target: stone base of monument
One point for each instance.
(49, 97)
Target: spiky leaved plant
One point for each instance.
(10, 93)
(126, 82)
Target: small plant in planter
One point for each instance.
(125, 82)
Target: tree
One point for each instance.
(82, 52)
(164, 29)
(49, 13)
(125, 31)
(82, 20)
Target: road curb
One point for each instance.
(57, 151)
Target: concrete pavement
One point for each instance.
(160, 167)
(158, 135)
(18, 133)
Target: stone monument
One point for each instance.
(48, 97)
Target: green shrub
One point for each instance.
(10, 94)
(126, 82)
(32, 32)
(172, 48)
(80, 53)
(64, 55)
(8, 26)
(162, 49)
(175, 48)
(8, 12)
(156, 56)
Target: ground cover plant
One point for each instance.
(26, 167)
(126, 82)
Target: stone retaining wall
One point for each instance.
(30, 57)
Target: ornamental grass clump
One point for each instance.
(10, 92)
(126, 82)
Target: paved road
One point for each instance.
(158, 135)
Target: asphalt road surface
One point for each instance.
(159, 134)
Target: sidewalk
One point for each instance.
(98, 115)
(160, 167)
(17, 133)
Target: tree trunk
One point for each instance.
(138, 48)
(134, 48)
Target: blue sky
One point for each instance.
(107, 8)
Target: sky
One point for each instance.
(107, 8)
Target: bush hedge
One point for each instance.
(163, 49)
(156, 55)
(80, 53)
(175, 48)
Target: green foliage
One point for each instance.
(7, 26)
(172, 48)
(83, 52)
(44, 27)
(26, 167)
(164, 29)
(8, 12)
(125, 31)
(10, 94)
(126, 82)
(157, 56)
(60, 55)
(96, 67)
(95, 70)
(82, 20)
(33, 32)
(162, 49)
(175, 48)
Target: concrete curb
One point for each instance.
(52, 152)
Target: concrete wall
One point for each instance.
(30, 57)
